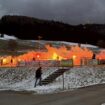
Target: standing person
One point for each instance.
(38, 75)
(94, 56)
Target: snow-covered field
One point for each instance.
(23, 79)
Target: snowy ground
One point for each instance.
(22, 79)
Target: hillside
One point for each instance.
(10, 45)
(30, 28)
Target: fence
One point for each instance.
(62, 63)
(48, 63)
(89, 62)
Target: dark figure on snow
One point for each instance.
(38, 76)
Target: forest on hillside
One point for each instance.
(30, 28)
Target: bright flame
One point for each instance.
(101, 55)
(55, 56)
(62, 53)
(4, 61)
(38, 56)
(74, 57)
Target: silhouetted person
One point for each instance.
(11, 60)
(1, 62)
(79, 45)
(94, 56)
(33, 59)
(38, 76)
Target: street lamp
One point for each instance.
(39, 38)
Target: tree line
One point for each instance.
(25, 27)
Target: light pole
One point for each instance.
(38, 55)
(39, 38)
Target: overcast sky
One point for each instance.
(69, 11)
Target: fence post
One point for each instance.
(63, 81)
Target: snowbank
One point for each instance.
(7, 37)
(22, 79)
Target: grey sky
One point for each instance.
(69, 11)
